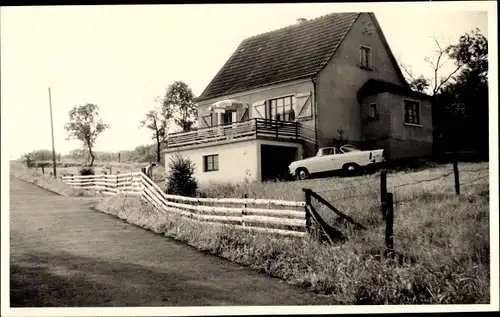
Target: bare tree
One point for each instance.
(443, 55)
(158, 121)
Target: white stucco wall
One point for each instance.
(237, 161)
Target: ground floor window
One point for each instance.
(412, 112)
(211, 163)
(373, 111)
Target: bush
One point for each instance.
(86, 170)
(180, 179)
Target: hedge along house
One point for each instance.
(283, 94)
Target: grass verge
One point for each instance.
(442, 241)
(45, 181)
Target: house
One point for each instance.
(283, 94)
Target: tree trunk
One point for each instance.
(158, 155)
(92, 157)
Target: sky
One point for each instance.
(123, 57)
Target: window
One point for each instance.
(329, 151)
(211, 163)
(373, 111)
(365, 57)
(281, 109)
(412, 112)
(349, 148)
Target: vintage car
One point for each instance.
(347, 158)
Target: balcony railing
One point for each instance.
(280, 130)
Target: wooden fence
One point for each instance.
(262, 215)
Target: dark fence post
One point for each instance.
(389, 235)
(277, 129)
(110, 171)
(457, 177)
(296, 130)
(383, 192)
(244, 211)
(308, 216)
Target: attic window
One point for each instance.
(365, 56)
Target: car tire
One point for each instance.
(351, 169)
(302, 174)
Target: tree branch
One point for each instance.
(406, 71)
(449, 76)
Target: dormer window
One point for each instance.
(365, 55)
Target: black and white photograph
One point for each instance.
(283, 158)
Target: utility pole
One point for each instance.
(52, 130)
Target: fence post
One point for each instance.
(244, 212)
(296, 130)
(383, 192)
(277, 129)
(389, 235)
(308, 216)
(457, 177)
(43, 169)
(110, 170)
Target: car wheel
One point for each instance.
(302, 174)
(351, 169)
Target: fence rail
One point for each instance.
(262, 215)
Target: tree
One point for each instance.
(180, 98)
(78, 154)
(340, 139)
(459, 97)
(180, 177)
(85, 125)
(41, 155)
(158, 121)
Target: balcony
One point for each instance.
(258, 128)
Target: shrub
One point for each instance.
(86, 170)
(180, 178)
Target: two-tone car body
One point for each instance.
(346, 157)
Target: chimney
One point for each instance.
(301, 20)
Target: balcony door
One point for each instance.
(228, 117)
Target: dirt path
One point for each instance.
(65, 254)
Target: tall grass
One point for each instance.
(442, 240)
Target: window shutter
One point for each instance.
(259, 109)
(207, 120)
(242, 114)
(303, 104)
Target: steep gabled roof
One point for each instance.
(289, 53)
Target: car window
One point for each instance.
(329, 151)
(349, 148)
